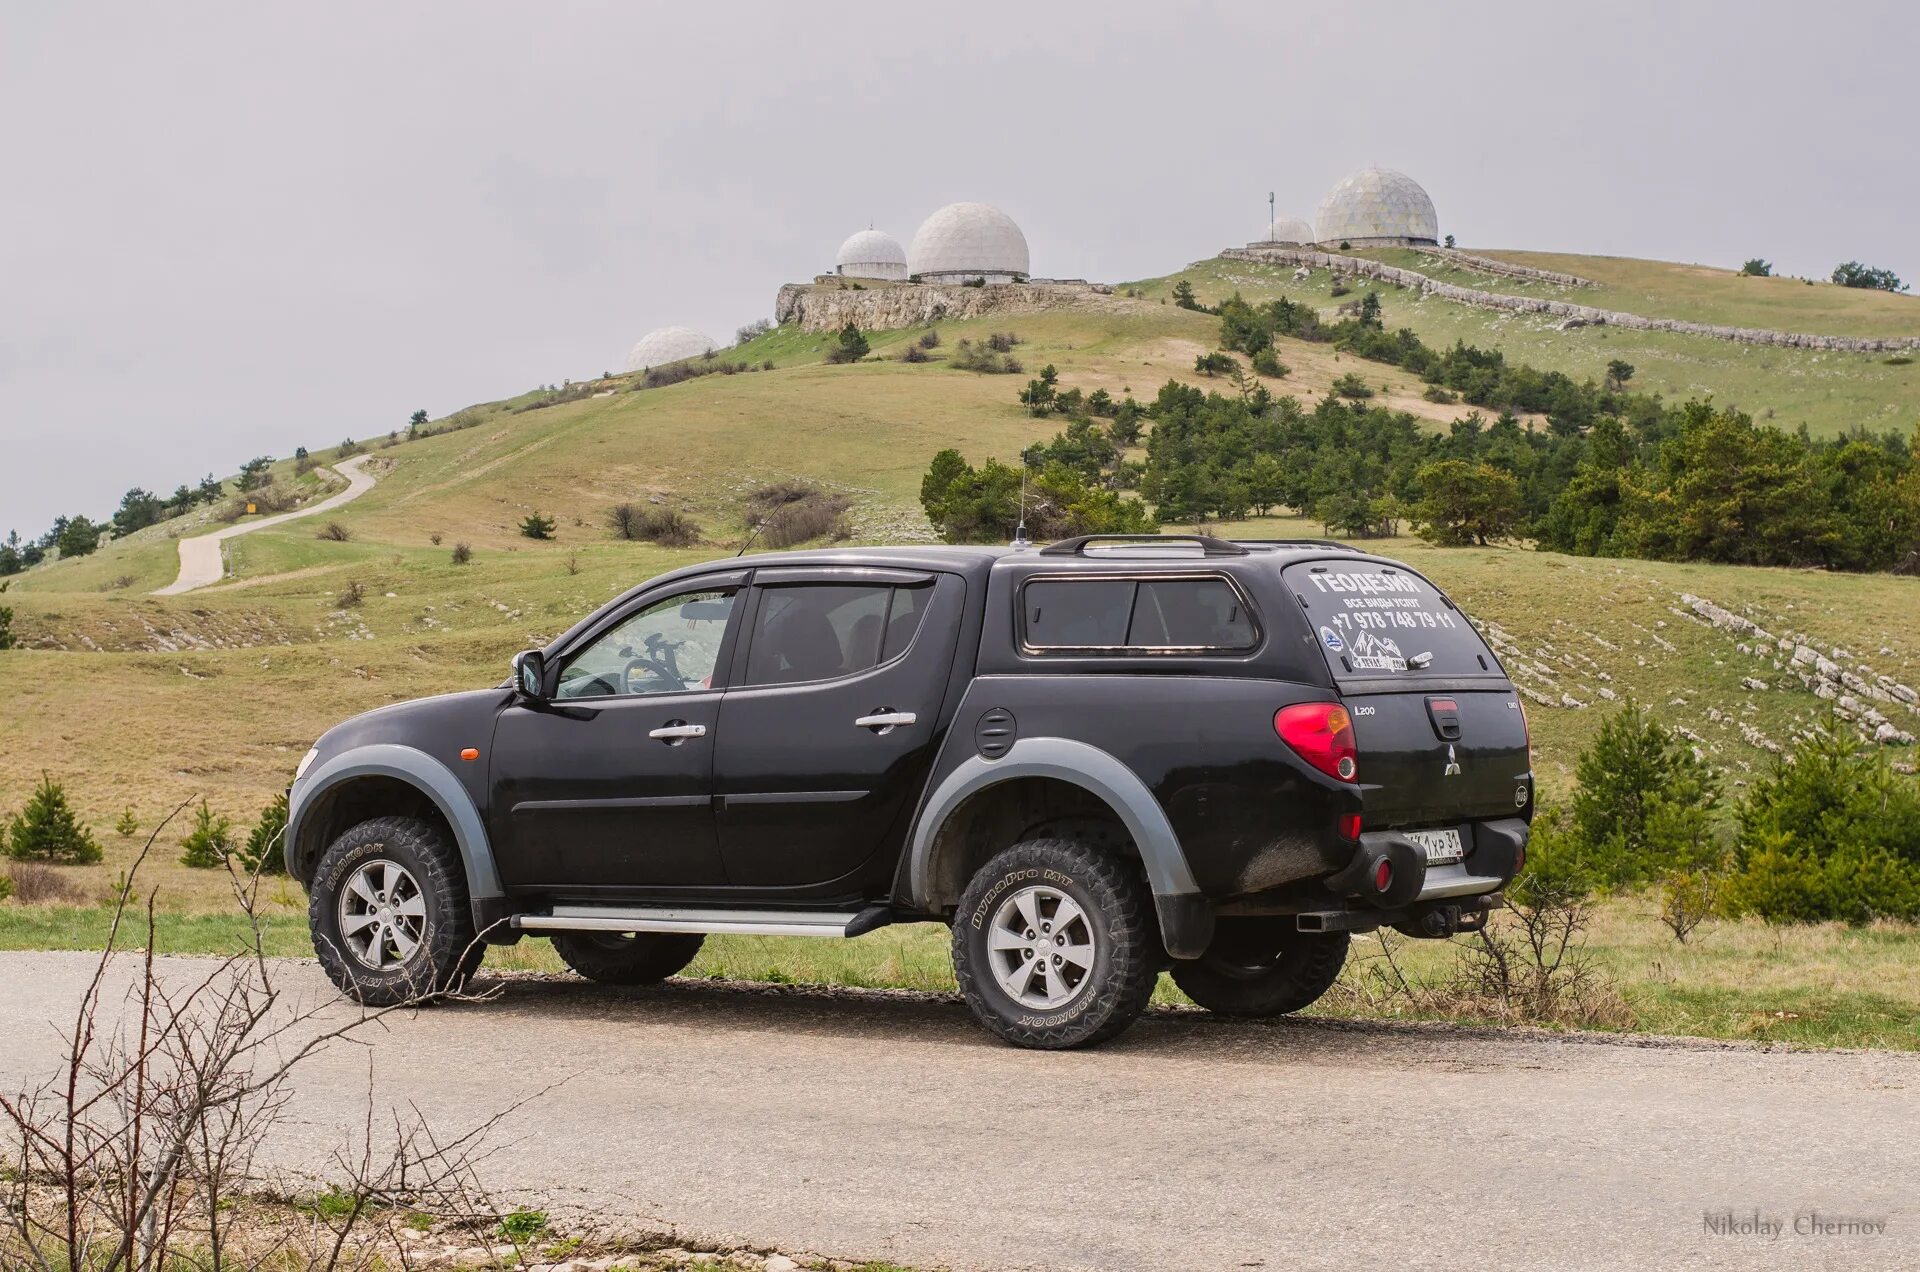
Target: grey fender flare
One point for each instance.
(425, 774)
(1186, 920)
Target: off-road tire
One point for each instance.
(447, 953)
(1118, 910)
(1262, 967)
(627, 958)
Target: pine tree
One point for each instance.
(263, 851)
(46, 829)
(210, 842)
(537, 526)
(1643, 800)
(127, 825)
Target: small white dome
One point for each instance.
(1289, 231)
(668, 344)
(1377, 205)
(968, 240)
(871, 254)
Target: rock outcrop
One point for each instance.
(829, 306)
(1574, 315)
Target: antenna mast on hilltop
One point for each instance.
(1269, 214)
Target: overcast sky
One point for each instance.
(231, 230)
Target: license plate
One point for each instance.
(1443, 846)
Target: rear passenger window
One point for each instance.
(807, 632)
(1119, 615)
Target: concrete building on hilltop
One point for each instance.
(871, 254)
(967, 241)
(668, 344)
(1288, 231)
(1377, 207)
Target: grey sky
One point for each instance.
(232, 230)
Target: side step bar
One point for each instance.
(600, 918)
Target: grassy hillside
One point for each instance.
(1827, 392)
(144, 701)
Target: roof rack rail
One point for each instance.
(1208, 544)
(1300, 543)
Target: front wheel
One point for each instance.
(626, 958)
(1054, 945)
(389, 914)
(1262, 967)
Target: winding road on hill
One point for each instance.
(200, 563)
(883, 1124)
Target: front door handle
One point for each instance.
(677, 732)
(885, 721)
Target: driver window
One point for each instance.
(668, 647)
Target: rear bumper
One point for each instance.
(1435, 900)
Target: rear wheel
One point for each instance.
(1054, 945)
(389, 913)
(627, 958)
(1262, 967)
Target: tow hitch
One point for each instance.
(1443, 921)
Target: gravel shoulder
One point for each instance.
(884, 1124)
(200, 562)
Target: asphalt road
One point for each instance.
(200, 563)
(884, 1125)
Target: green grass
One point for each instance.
(1821, 985)
(1828, 392)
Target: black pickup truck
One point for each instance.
(1095, 761)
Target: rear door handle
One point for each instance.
(885, 720)
(676, 732)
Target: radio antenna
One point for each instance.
(1020, 539)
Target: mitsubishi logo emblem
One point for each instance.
(1453, 763)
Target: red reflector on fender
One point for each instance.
(1349, 825)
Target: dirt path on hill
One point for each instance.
(200, 561)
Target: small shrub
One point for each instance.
(1266, 362)
(7, 639)
(1687, 899)
(523, 1225)
(33, 883)
(127, 826)
(1757, 268)
(333, 532)
(1214, 363)
(767, 365)
(850, 347)
(349, 448)
(462, 554)
(354, 594)
(667, 528)
(1352, 387)
(210, 842)
(753, 330)
(1003, 341)
(263, 853)
(573, 564)
(535, 526)
(47, 830)
(913, 353)
(6, 887)
(1899, 360)
(434, 538)
(1435, 393)
(931, 340)
(815, 517)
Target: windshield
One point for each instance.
(1373, 619)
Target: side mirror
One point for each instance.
(530, 674)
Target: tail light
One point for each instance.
(1322, 734)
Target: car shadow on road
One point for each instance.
(893, 1018)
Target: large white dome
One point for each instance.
(668, 344)
(1289, 231)
(968, 240)
(871, 254)
(1377, 205)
